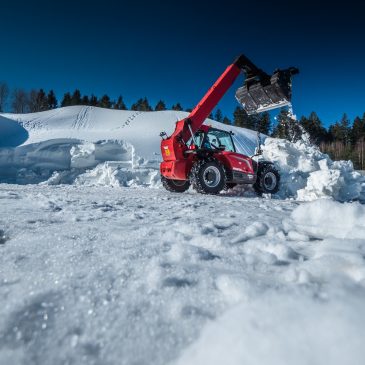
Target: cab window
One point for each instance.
(217, 138)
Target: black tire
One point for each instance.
(268, 180)
(175, 186)
(208, 177)
(230, 185)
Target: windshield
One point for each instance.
(217, 138)
(213, 139)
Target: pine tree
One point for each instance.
(218, 116)
(32, 101)
(93, 100)
(146, 105)
(345, 129)
(76, 98)
(120, 104)
(137, 106)
(238, 117)
(264, 123)
(336, 132)
(105, 102)
(66, 101)
(177, 107)
(358, 129)
(242, 119)
(287, 127)
(141, 105)
(85, 100)
(160, 106)
(42, 102)
(313, 126)
(51, 100)
(226, 121)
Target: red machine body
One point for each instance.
(185, 152)
(176, 164)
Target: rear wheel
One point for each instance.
(176, 186)
(268, 180)
(208, 177)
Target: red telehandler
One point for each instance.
(206, 157)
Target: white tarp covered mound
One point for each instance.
(308, 174)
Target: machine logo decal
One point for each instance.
(167, 151)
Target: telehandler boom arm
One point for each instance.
(259, 93)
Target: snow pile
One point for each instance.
(308, 174)
(115, 175)
(91, 146)
(337, 220)
(310, 312)
(68, 161)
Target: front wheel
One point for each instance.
(176, 186)
(208, 177)
(268, 180)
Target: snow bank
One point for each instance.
(68, 161)
(308, 174)
(336, 220)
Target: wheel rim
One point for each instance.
(212, 176)
(270, 181)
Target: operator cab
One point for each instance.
(214, 139)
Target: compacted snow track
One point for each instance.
(95, 275)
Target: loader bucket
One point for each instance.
(262, 94)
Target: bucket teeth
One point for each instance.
(257, 96)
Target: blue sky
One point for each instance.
(175, 51)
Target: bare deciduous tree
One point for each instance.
(4, 93)
(32, 101)
(360, 151)
(20, 102)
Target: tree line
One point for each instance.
(343, 139)
(22, 101)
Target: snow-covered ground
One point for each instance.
(99, 275)
(100, 265)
